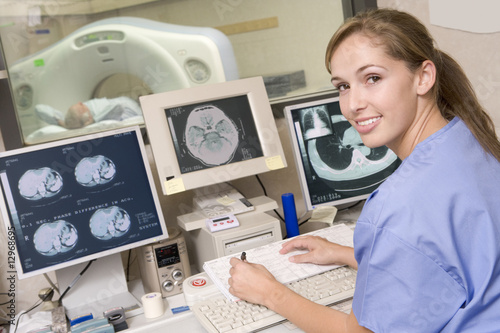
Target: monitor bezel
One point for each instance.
(163, 148)
(8, 223)
(296, 152)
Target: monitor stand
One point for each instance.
(102, 287)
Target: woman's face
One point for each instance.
(378, 94)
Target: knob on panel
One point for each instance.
(177, 275)
(168, 285)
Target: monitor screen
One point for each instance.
(212, 134)
(333, 164)
(79, 199)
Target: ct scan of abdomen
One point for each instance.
(40, 183)
(108, 223)
(96, 170)
(55, 237)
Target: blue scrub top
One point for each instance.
(428, 241)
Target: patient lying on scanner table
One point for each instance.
(96, 110)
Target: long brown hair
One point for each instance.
(406, 39)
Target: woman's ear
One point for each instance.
(426, 77)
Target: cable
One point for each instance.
(262, 185)
(34, 306)
(265, 193)
(50, 282)
(128, 264)
(75, 280)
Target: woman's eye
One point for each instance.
(342, 87)
(373, 79)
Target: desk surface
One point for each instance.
(186, 321)
(183, 321)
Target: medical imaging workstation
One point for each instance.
(132, 157)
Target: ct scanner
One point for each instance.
(162, 56)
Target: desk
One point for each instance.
(182, 322)
(186, 321)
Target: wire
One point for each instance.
(34, 306)
(75, 280)
(50, 282)
(262, 185)
(265, 193)
(128, 264)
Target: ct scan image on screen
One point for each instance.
(337, 165)
(77, 199)
(214, 133)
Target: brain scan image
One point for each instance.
(96, 170)
(40, 183)
(211, 136)
(108, 223)
(316, 122)
(343, 156)
(55, 237)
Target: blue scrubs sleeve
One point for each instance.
(398, 289)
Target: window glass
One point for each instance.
(105, 54)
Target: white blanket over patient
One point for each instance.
(119, 108)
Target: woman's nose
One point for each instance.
(356, 100)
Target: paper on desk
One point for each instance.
(324, 214)
(278, 264)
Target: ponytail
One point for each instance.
(456, 98)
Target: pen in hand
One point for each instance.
(243, 256)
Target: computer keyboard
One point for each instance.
(219, 314)
(324, 285)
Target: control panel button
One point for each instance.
(177, 275)
(168, 285)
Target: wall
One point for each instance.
(478, 54)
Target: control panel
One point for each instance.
(165, 265)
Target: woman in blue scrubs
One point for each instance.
(427, 243)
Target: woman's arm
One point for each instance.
(255, 284)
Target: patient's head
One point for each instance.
(78, 116)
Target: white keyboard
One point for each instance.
(218, 314)
(325, 285)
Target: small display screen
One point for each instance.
(167, 255)
(215, 133)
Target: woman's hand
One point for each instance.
(319, 251)
(251, 282)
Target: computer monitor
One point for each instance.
(71, 201)
(212, 134)
(333, 164)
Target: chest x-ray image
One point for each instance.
(316, 123)
(96, 170)
(108, 223)
(40, 183)
(213, 133)
(55, 237)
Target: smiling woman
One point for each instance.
(426, 240)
